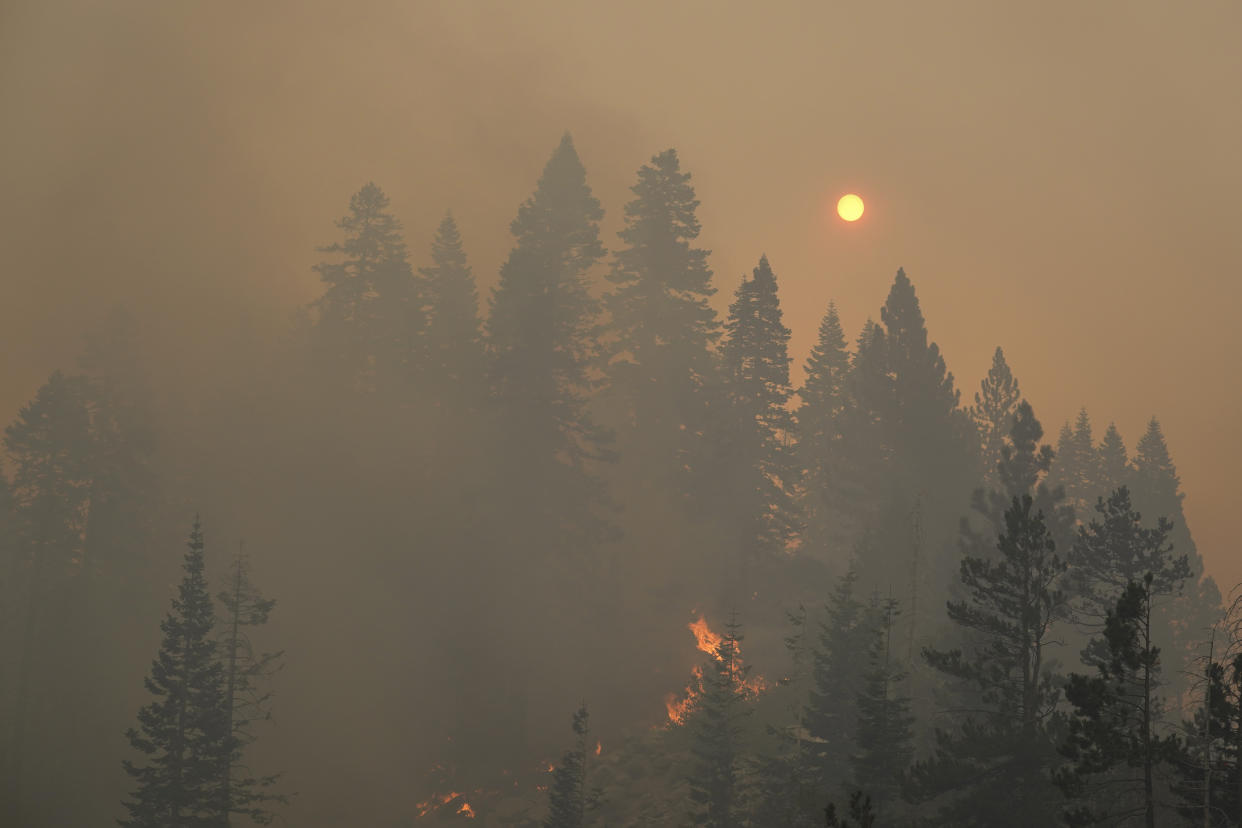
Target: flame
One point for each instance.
(599, 748)
(466, 811)
(427, 806)
(551, 767)
(708, 642)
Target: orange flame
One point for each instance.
(427, 806)
(466, 811)
(708, 642)
(599, 748)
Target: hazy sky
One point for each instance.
(1060, 178)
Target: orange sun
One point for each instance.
(850, 207)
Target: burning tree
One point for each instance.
(716, 783)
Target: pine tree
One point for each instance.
(1113, 463)
(542, 340)
(716, 785)
(995, 770)
(757, 438)
(246, 701)
(51, 450)
(824, 397)
(1114, 719)
(838, 674)
(453, 337)
(885, 736)
(183, 730)
(996, 403)
(570, 799)
(861, 812)
(369, 318)
(1077, 466)
(661, 327)
(1211, 779)
(1156, 490)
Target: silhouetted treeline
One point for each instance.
(474, 518)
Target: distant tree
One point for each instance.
(884, 733)
(756, 441)
(661, 328)
(839, 664)
(1113, 727)
(860, 811)
(369, 319)
(570, 800)
(183, 730)
(996, 403)
(994, 771)
(820, 414)
(50, 450)
(453, 339)
(246, 700)
(1114, 463)
(1077, 465)
(715, 773)
(542, 337)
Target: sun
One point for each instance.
(850, 207)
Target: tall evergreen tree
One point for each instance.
(661, 327)
(996, 403)
(715, 773)
(183, 730)
(885, 735)
(369, 319)
(50, 448)
(570, 799)
(757, 439)
(246, 699)
(542, 338)
(1113, 728)
(1114, 463)
(1077, 465)
(995, 770)
(453, 337)
(838, 675)
(820, 416)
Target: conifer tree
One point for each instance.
(885, 736)
(820, 419)
(542, 340)
(1113, 462)
(369, 319)
(50, 448)
(1211, 779)
(994, 771)
(453, 337)
(996, 402)
(1077, 466)
(861, 811)
(570, 799)
(1113, 727)
(838, 675)
(183, 731)
(715, 774)
(246, 700)
(661, 327)
(757, 438)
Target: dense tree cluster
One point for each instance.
(485, 517)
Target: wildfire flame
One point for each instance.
(708, 642)
(599, 748)
(466, 811)
(427, 806)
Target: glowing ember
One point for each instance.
(707, 642)
(551, 767)
(436, 802)
(599, 748)
(466, 811)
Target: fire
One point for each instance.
(466, 811)
(599, 748)
(551, 767)
(438, 801)
(708, 642)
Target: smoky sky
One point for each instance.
(1059, 178)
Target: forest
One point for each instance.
(579, 553)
